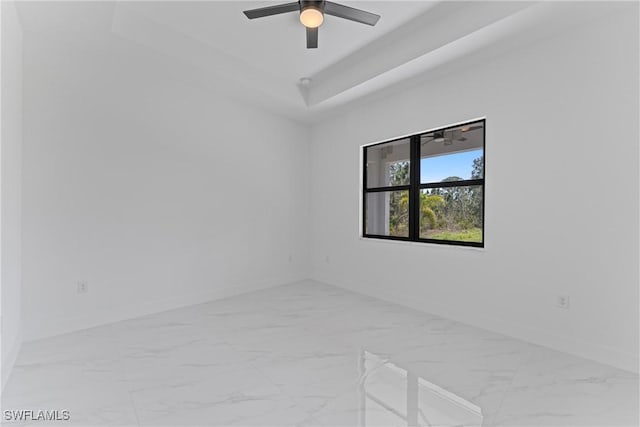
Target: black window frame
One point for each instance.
(414, 187)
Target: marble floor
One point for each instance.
(309, 354)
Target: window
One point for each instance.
(428, 187)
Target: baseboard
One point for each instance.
(9, 356)
(68, 324)
(571, 345)
(567, 344)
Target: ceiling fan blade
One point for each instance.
(272, 10)
(350, 13)
(470, 129)
(312, 38)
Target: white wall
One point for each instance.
(11, 152)
(561, 194)
(155, 192)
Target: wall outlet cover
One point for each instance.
(83, 287)
(562, 301)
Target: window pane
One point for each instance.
(452, 154)
(388, 164)
(451, 213)
(387, 213)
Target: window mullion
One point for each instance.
(414, 191)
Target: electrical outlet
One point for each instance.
(562, 301)
(83, 287)
(327, 259)
(290, 258)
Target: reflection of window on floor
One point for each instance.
(391, 395)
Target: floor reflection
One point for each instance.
(393, 395)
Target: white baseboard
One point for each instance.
(9, 356)
(68, 324)
(567, 344)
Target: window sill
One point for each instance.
(422, 244)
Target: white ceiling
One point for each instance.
(276, 45)
(263, 60)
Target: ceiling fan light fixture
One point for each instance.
(311, 17)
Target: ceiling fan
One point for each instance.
(312, 15)
(448, 136)
(443, 136)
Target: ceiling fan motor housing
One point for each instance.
(311, 3)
